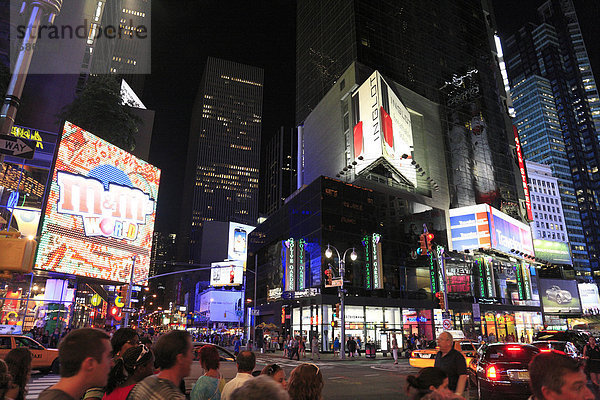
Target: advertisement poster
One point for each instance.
(100, 212)
(382, 128)
(227, 273)
(590, 300)
(237, 248)
(482, 226)
(559, 296)
(554, 252)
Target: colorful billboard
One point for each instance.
(100, 212)
(382, 128)
(482, 226)
(237, 249)
(227, 273)
(554, 252)
(523, 172)
(559, 296)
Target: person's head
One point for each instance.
(209, 357)
(19, 366)
(557, 376)
(246, 361)
(123, 339)
(5, 379)
(445, 341)
(275, 372)
(305, 383)
(136, 362)
(86, 352)
(259, 388)
(426, 381)
(592, 340)
(174, 350)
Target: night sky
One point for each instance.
(259, 33)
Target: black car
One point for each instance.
(578, 338)
(500, 370)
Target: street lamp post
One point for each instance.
(341, 291)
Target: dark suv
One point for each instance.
(501, 370)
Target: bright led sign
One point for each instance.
(100, 211)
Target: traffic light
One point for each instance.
(337, 309)
(422, 245)
(439, 300)
(334, 324)
(429, 240)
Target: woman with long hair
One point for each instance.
(305, 383)
(210, 385)
(135, 364)
(275, 372)
(5, 379)
(18, 362)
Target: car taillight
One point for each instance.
(492, 373)
(414, 354)
(514, 348)
(545, 350)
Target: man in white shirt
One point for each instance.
(246, 361)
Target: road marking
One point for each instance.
(38, 384)
(371, 375)
(337, 377)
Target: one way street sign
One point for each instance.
(16, 146)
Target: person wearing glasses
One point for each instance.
(135, 364)
(211, 384)
(275, 372)
(305, 383)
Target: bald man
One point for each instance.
(452, 362)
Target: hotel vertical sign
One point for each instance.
(377, 261)
(290, 265)
(301, 265)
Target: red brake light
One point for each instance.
(545, 350)
(514, 349)
(491, 372)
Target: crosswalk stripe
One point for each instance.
(38, 384)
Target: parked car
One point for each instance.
(426, 357)
(558, 295)
(560, 346)
(578, 338)
(501, 370)
(43, 359)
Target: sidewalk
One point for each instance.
(328, 356)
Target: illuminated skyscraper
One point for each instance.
(558, 117)
(223, 161)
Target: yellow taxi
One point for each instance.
(426, 357)
(43, 359)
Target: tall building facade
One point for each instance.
(549, 222)
(279, 166)
(548, 65)
(443, 51)
(221, 182)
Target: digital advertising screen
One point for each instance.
(559, 296)
(382, 128)
(588, 293)
(228, 273)
(482, 226)
(554, 252)
(100, 212)
(237, 248)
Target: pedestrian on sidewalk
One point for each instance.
(351, 343)
(236, 346)
(302, 347)
(336, 346)
(395, 348)
(314, 347)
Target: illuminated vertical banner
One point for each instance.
(523, 172)
(433, 275)
(489, 277)
(365, 243)
(526, 281)
(520, 285)
(301, 265)
(480, 268)
(377, 261)
(290, 264)
(441, 281)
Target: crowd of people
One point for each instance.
(125, 366)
